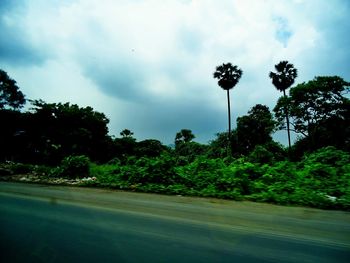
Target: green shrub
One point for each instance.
(159, 170)
(261, 155)
(73, 167)
(321, 179)
(201, 173)
(20, 168)
(106, 174)
(328, 155)
(239, 177)
(42, 170)
(283, 171)
(328, 171)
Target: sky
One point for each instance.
(148, 64)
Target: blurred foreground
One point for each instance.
(67, 224)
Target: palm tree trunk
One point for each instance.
(229, 121)
(287, 119)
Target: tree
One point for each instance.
(126, 133)
(218, 145)
(255, 128)
(228, 77)
(11, 134)
(186, 147)
(282, 79)
(57, 130)
(10, 95)
(150, 148)
(126, 145)
(183, 136)
(319, 111)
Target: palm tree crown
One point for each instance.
(284, 76)
(228, 75)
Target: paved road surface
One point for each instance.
(66, 224)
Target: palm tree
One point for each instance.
(228, 76)
(282, 79)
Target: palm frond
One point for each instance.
(284, 76)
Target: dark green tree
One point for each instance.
(186, 147)
(12, 134)
(57, 130)
(319, 111)
(183, 136)
(150, 148)
(10, 95)
(255, 128)
(126, 133)
(282, 79)
(228, 77)
(125, 146)
(12, 120)
(218, 145)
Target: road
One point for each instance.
(65, 224)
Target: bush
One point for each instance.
(327, 170)
(261, 155)
(239, 177)
(20, 168)
(328, 155)
(107, 174)
(160, 170)
(321, 179)
(73, 167)
(201, 173)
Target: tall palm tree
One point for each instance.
(282, 79)
(228, 76)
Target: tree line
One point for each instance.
(317, 110)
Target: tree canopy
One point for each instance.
(184, 136)
(10, 95)
(319, 111)
(48, 132)
(51, 131)
(284, 76)
(126, 133)
(228, 75)
(255, 128)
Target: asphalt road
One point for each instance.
(66, 224)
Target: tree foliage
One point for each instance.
(126, 133)
(319, 111)
(73, 167)
(284, 76)
(228, 75)
(217, 146)
(52, 131)
(150, 148)
(186, 147)
(183, 136)
(255, 128)
(10, 95)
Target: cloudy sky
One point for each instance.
(148, 64)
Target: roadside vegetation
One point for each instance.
(67, 144)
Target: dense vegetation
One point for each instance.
(64, 140)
